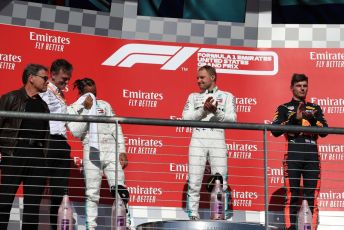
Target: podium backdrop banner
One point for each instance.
(151, 79)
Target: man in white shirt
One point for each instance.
(58, 156)
(210, 104)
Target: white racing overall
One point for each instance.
(97, 161)
(207, 143)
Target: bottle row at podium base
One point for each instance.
(201, 225)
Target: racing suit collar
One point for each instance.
(297, 102)
(211, 91)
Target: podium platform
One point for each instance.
(201, 225)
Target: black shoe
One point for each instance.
(122, 192)
(194, 218)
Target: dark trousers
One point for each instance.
(27, 166)
(302, 160)
(58, 161)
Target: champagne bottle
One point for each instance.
(118, 216)
(304, 217)
(65, 214)
(217, 201)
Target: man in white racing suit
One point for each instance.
(99, 148)
(211, 104)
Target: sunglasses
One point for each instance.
(45, 78)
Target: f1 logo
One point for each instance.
(171, 57)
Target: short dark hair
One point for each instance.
(297, 77)
(81, 83)
(211, 70)
(32, 69)
(61, 64)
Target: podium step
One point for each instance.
(201, 225)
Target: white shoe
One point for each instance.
(230, 219)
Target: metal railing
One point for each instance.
(264, 128)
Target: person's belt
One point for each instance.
(32, 142)
(209, 129)
(58, 136)
(302, 139)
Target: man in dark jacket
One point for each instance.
(22, 147)
(302, 158)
